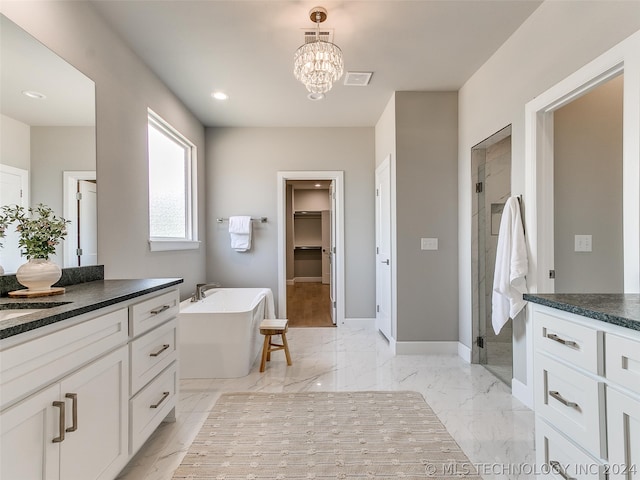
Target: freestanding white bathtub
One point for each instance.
(219, 335)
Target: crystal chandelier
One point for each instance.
(317, 64)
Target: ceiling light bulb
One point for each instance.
(219, 95)
(318, 185)
(33, 94)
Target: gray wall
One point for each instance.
(125, 88)
(426, 206)
(15, 143)
(54, 150)
(242, 166)
(588, 191)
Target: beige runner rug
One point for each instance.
(323, 435)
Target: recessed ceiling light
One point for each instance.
(33, 94)
(219, 95)
(318, 185)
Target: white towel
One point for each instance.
(240, 233)
(509, 282)
(269, 306)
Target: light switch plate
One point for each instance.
(428, 243)
(582, 243)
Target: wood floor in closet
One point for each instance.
(309, 305)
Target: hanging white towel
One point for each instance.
(240, 233)
(269, 306)
(512, 264)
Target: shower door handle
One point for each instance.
(385, 261)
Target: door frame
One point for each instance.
(538, 198)
(386, 164)
(338, 178)
(70, 180)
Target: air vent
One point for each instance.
(357, 79)
(325, 35)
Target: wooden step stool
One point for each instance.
(268, 328)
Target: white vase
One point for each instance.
(38, 274)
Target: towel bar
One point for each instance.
(261, 220)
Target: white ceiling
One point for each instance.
(26, 64)
(246, 48)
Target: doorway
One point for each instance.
(312, 228)
(491, 176)
(309, 252)
(539, 190)
(14, 190)
(80, 208)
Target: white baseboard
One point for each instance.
(522, 392)
(307, 280)
(360, 322)
(425, 348)
(464, 352)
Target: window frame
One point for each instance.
(190, 240)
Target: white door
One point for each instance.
(95, 445)
(87, 223)
(326, 247)
(383, 248)
(14, 190)
(27, 432)
(623, 425)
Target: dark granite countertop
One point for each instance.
(77, 299)
(614, 308)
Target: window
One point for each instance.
(172, 191)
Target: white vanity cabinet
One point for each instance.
(76, 427)
(587, 397)
(79, 397)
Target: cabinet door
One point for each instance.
(623, 424)
(28, 430)
(95, 446)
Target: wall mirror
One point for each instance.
(48, 144)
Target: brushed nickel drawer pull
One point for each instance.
(61, 421)
(161, 309)
(74, 411)
(164, 397)
(562, 400)
(557, 468)
(162, 349)
(555, 338)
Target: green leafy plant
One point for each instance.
(5, 221)
(40, 230)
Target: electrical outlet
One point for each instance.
(583, 243)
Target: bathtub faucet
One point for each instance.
(201, 288)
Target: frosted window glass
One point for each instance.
(168, 169)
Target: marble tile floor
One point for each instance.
(495, 430)
(500, 360)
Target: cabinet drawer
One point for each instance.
(154, 311)
(152, 353)
(623, 361)
(28, 366)
(577, 344)
(573, 402)
(151, 405)
(556, 456)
